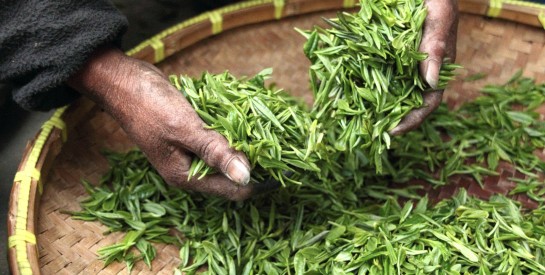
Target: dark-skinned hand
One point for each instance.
(162, 123)
(438, 41)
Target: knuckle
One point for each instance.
(175, 180)
(214, 150)
(175, 170)
(436, 49)
(440, 45)
(173, 123)
(208, 148)
(178, 179)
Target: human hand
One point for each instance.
(162, 123)
(438, 41)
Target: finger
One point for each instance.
(173, 165)
(439, 38)
(414, 118)
(216, 185)
(219, 185)
(214, 149)
(176, 169)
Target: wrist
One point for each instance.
(102, 79)
(101, 76)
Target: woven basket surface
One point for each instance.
(494, 47)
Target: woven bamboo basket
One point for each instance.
(243, 38)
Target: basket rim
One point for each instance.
(47, 144)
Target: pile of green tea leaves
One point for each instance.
(330, 228)
(273, 129)
(365, 79)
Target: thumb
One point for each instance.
(439, 38)
(214, 149)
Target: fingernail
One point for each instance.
(432, 73)
(238, 172)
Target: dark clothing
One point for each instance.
(44, 42)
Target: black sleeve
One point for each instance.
(44, 42)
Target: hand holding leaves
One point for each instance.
(162, 123)
(439, 42)
(365, 75)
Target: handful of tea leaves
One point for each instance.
(273, 129)
(365, 78)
